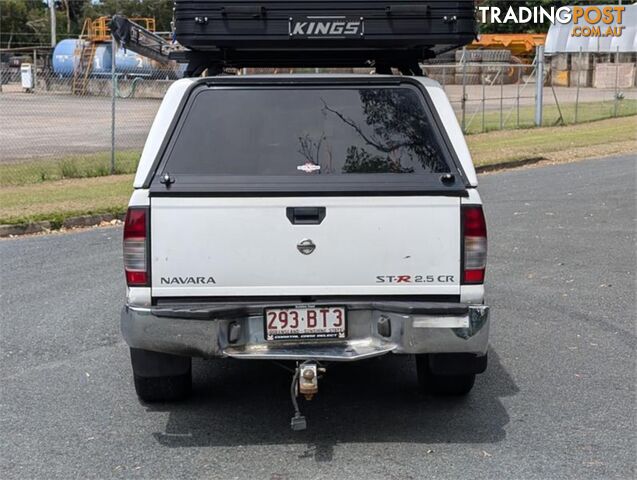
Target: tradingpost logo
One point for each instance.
(587, 21)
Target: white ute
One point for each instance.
(312, 219)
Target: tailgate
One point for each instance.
(215, 246)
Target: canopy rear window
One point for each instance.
(307, 136)
(306, 131)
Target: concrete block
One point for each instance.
(560, 78)
(560, 61)
(581, 78)
(84, 221)
(626, 57)
(448, 78)
(611, 75)
(469, 79)
(24, 229)
(584, 61)
(470, 55)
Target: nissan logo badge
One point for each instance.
(306, 246)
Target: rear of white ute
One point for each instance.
(311, 219)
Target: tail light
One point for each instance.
(474, 246)
(136, 247)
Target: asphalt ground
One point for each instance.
(40, 126)
(557, 401)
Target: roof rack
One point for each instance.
(215, 35)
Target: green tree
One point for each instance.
(16, 28)
(27, 22)
(160, 10)
(74, 14)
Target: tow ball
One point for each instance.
(304, 382)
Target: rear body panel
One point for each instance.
(248, 247)
(386, 247)
(371, 154)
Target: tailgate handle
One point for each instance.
(305, 215)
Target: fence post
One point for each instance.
(464, 87)
(35, 70)
(616, 104)
(579, 80)
(483, 106)
(539, 84)
(113, 94)
(501, 98)
(517, 97)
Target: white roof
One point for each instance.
(560, 40)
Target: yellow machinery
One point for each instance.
(95, 32)
(521, 45)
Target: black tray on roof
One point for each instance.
(247, 33)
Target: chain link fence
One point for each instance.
(54, 127)
(57, 126)
(491, 90)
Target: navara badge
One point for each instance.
(306, 246)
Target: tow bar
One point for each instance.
(304, 382)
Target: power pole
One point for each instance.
(53, 25)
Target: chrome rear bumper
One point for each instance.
(374, 329)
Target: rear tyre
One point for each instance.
(163, 389)
(436, 384)
(161, 377)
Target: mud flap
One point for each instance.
(457, 363)
(149, 364)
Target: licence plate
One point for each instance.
(302, 322)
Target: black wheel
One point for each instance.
(436, 384)
(161, 377)
(163, 389)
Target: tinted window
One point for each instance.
(318, 131)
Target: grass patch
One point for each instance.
(586, 112)
(72, 166)
(60, 199)
(56, 219)
(513, 145)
